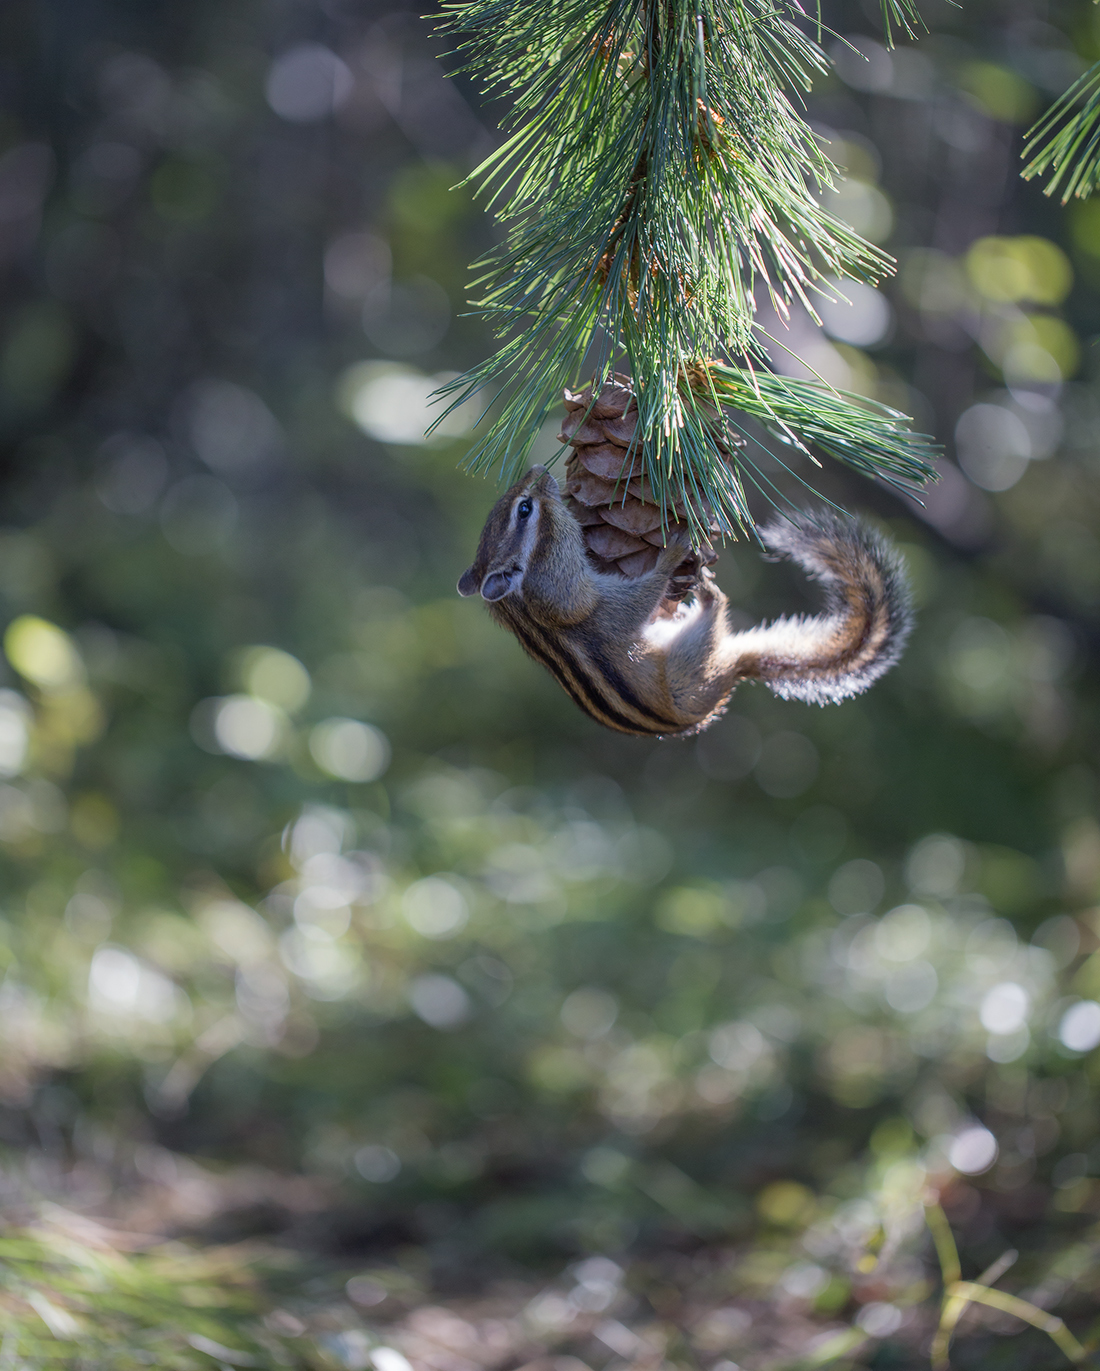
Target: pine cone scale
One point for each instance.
(633, 516)
(573, 430)
(610, 462)
(586, 488)
(611, 543)
(637, 563)
(584, 515)
(622, 432)
(607, 489)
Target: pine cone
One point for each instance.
(607, 491)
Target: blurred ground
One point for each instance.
(79, 1292)
(329, 924)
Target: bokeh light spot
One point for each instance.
(879, 1319)
(377, 1164)
(229, 426)
(435, 908)
(589, 1012)
(275, 676)
(392, 404)
(1009, 270)
(904, 933)
(1079, 1027)
(861, 315)
(862, 63)
(993, 445)
(1004, 1008)
(911, 987)
(133, 473)
(118, 983)
(973, 1151)
(42, 653)
(15, 732)
(247, 727)
(349, 750)
(439, 1000)
(857, 887)
(307, 83)
(862, 206)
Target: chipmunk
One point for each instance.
(638, 665)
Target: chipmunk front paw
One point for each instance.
(676, 550)
(687, 577)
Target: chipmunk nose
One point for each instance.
(545, 481)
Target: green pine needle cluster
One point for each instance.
(659, 178)
(865, 435)
(902, 16)
(1066, 140)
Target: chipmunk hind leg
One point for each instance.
(862, 631)
(692, 656)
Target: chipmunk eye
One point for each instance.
(524, 508)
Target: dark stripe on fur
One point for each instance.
(608, 673)
(578, 684)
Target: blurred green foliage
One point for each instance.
(307, 868)
(71, 1299)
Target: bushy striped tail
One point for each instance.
(866, 619)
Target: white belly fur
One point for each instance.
(660, 632)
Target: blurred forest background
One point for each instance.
(328, 919)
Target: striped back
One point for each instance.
(585, 673)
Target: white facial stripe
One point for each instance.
(525, 527)
(528, 536)
(531, 532)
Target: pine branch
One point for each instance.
(657, 180)
(1073, 150)
(867, 436)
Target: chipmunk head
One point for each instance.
(520, 528)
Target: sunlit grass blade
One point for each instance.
(958, 1294)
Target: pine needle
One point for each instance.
(903, 16)
(1072, 151)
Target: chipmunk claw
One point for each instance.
(688, 575)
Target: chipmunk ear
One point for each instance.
(496, 585)
(469, 583)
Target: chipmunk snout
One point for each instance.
(539, 479)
